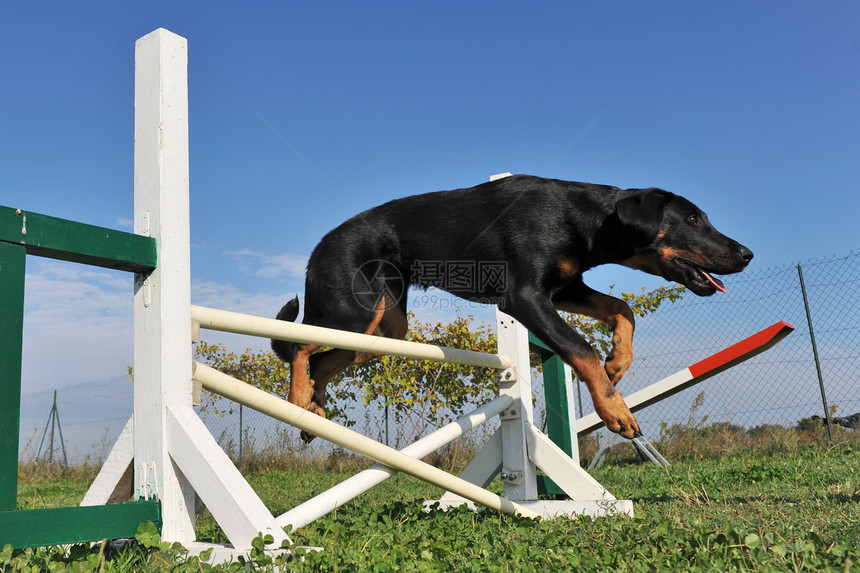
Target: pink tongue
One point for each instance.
(718, 284)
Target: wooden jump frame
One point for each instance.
(173, 457)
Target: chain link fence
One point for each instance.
(75, 424)
(779, 387)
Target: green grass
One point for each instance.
(795, 510)
(787, 512)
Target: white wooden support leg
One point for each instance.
(483, 468)
(233, 503)
(561, 469)
(108, 486)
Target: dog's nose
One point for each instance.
(745, 254)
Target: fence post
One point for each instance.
(387, 441)
(241, 435)
(815, 354)
(53, 421)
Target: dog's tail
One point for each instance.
(286, 351)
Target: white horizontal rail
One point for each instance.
(238, 391)
(350, 488)
(226, 321)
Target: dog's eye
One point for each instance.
(694, 219)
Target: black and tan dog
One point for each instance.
(521, 242)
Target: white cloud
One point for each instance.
(78, 324)
(229, 297)
(125, 223)
(269, 266)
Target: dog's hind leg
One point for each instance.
(301, 387)
(388, 322)
(297, 355)
(579, 298)
(325, 365)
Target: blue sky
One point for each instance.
(302, 114)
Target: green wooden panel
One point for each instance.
(12, 259)
(546, 486)
(558, 422)
(557, 408)
(538, 346)
(62, 525)
(55, 238)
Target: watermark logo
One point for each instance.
(378, 282)
(466, 278)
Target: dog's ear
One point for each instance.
(641, 215)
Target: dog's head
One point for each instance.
(673, 238)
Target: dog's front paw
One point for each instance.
(617, 416)
(618, 362)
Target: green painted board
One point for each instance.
(536, 345)
(557, 407)
(555, 395)
(546, 486)
(12, 262)
(65, 240)
(63, 525)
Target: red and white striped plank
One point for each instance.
(702, 370)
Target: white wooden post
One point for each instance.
(518, 471)
(162, 357)
(174, 454)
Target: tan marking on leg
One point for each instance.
(301, 387)
(621, 356)
(617, 315)
(334, 362)
(377, 318)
